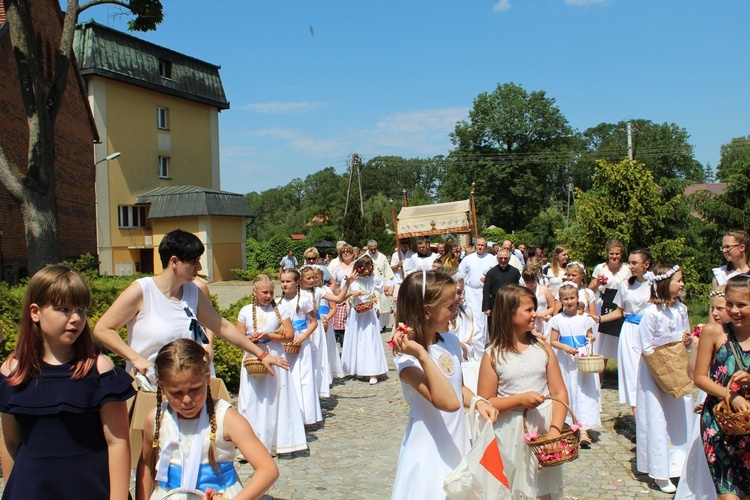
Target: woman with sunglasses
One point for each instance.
(734, 246)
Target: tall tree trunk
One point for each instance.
(42, 233)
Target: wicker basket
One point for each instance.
(365, 306)
(591, 363)
(554, 451)
(254, 367)
(290, 348)
(731, 422)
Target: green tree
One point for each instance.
(737, 149)
(626, 203)
(390, 175)
(663, 148)
(517, 146)
(32, 186)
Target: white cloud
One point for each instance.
(282, 107)
(501, 6)
(584, 3)
(420, 133)
(301, 142)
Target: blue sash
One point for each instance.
(574, 341)
(207, 477)
(299, 325)
(324, 309)
(633, 318)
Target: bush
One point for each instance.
(251, 274)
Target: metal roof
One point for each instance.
(191, 201)
(109, 53)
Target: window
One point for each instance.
(129, 216)
(164, 167)
(162, 118)
(165, 68)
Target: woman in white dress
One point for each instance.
(632, 298)
(463, 326)
(605, 280)
(270, 403)
(736, 249)
(363, 354)
(428, 365)
(662, 423)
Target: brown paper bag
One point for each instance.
(668, 365)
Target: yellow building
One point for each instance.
(160, 110)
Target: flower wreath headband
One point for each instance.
(716, 293)
(660, 277)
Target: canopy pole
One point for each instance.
(393, 217)
(474, 210)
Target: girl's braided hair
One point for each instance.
(263, 279)
(173, 358)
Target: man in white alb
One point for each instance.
(423, 259)
(474, 267)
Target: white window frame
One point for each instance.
(131, 217)
(164, 167)
(162, 118)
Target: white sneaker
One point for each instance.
(665, 485)
(373, 380)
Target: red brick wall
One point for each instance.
(76, 209)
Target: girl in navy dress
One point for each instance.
(64, 416)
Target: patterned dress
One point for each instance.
(728, 456)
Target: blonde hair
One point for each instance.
(260, 280)
(554, 266)
(176, 357)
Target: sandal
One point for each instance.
(585, 440)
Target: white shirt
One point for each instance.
(417, 263)
(474, 267)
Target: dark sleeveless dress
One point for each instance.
(728, 456)
(63, 453)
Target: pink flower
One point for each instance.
(575, 426)
(697, 331)
(734, 387)
(531, 436)
(723, 370)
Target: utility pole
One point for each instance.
(630, 140)
(356, 162)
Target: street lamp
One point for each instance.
(107, 158)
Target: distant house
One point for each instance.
(160, 110)
(74, 138)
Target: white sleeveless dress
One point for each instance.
(270, 404)
(518, 373)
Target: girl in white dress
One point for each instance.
(570, 332)
(463, 326)
(519, 372)
(695, 481)
(363, 354)
(302, 364)
(662, 422)
(576, 273)
(632, 298)
(428, 365)
(270, 403)
(327, 311)
(608, 276)
(544, 299)
(189, 441)
(319, 344)
(736, 249)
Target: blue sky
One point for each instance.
(312, 81)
